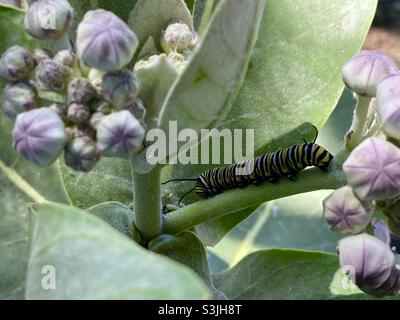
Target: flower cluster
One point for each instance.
(372, 171)
(96, 110)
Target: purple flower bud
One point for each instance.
(367, 260)
(78, 113)
(119, 135)
(18, 98)
(373, 170)
(80, 90)
(51, 75)
(65, 58)
(81, 154)
(388, 105)
(61, 109)
(346, 213)
(390, 287)
(104, 41)
(16, 64)
(39, 55)
(48, 19)
(39, 136)
(120, 88)
(177, 37)
(363, 73)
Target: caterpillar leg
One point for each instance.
(273, 180)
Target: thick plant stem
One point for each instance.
(147, 203)
(239, 199)
(356, 132)
(22, 184)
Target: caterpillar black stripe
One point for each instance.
(268, 167)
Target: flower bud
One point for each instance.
(388, 105)
(80, 90)
(178, 60)
(390, 287)
(373, 170)
(363, 73)
(48, 19)
(81, 154)
(16, 64)
(39, 55)
(137, 109)
(51, 75)
(39, 135)
(65, 58)
(104, 41)
(78, 113)
(177, 37)
(120, 88)
(367, 260)
(381, 230)
(61, 109)
(119, 135)
(18, 98)
(346, 213)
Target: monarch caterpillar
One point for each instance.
(268, 167)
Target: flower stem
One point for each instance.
(356, 132)
(239, 199)
(147, 203)
(22, 184)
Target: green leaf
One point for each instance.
(110, 180)
(19, 5)
(203, 10)
(121, 8)
(203, 94)
(117, 215)
(150, 17)
(287, 274)
(93, 261)
(294, 76)
(295, 222)
(14, 247)
(186, 248)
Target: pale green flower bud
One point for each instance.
(177, 37)
(81, 154)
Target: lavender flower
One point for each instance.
(120, 88)
(39, 136)
(48, 19)
(346, 213)
(388, 105)
(370, 263)
(104, 41)
(81, 154)
(119, 135)
(16, 64)
(363, 73)
(373, 170)
(18, 98)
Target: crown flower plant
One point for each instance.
(179, 150)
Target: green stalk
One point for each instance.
(147, 203)
(356, 132)
(239, 199)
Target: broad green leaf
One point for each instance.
(151, 17)
(121, 8)
(190, 4)
(186, 248)
(110, 180)
(93, 261)
(296, 222)
(14, 247)
(117, 215)
(19, 5)
(204, 92)
(294, 76)
(287, 274)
